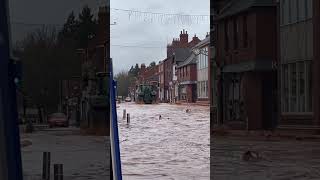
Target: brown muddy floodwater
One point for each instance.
(175, 147)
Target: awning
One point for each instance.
(259, 65)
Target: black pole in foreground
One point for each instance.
(58, 171)
(111, 169)
(46, 166)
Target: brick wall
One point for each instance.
(190, 73)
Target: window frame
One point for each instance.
(287, 106)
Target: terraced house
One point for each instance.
(201, 50)
(246, 49)
(177, 51)
(298, 31)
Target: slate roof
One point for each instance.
(192, 59)
(237, 6)
(182, 54)
(204, 42)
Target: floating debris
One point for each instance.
(251, 155)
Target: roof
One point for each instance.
(204, 42)
(181, 54)
(237, 6)
(192, 59)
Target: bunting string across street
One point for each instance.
(163, 18)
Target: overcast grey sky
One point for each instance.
(154, 35)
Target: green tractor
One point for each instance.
(147, 94)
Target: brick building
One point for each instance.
(187, 78)
(161, 80)
(245, 39)
(148, 74)
(177, 51)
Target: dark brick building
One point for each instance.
(246, 49)
(148, 74)
(187, 79)
(177, 51)
(161, 80)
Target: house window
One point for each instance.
(289, 11)
(245, 32)
(226, 36)
(296, 87)
(198, 89)
(202, 89)
(309, 8)
(201, 61)
(235, 33)
(207, 89)
(293, 87)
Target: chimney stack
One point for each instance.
(184, 38)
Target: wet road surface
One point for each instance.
(83, 157)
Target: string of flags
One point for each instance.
(163, 18)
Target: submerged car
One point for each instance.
(128, 99)
(58, 120)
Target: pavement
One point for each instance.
(83, 157)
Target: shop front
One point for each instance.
(248, 96)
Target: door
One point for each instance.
(268, 101)
(194, 92)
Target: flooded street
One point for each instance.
(175, 147)
(281, 159)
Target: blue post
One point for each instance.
(10, 153)
(114, 135)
